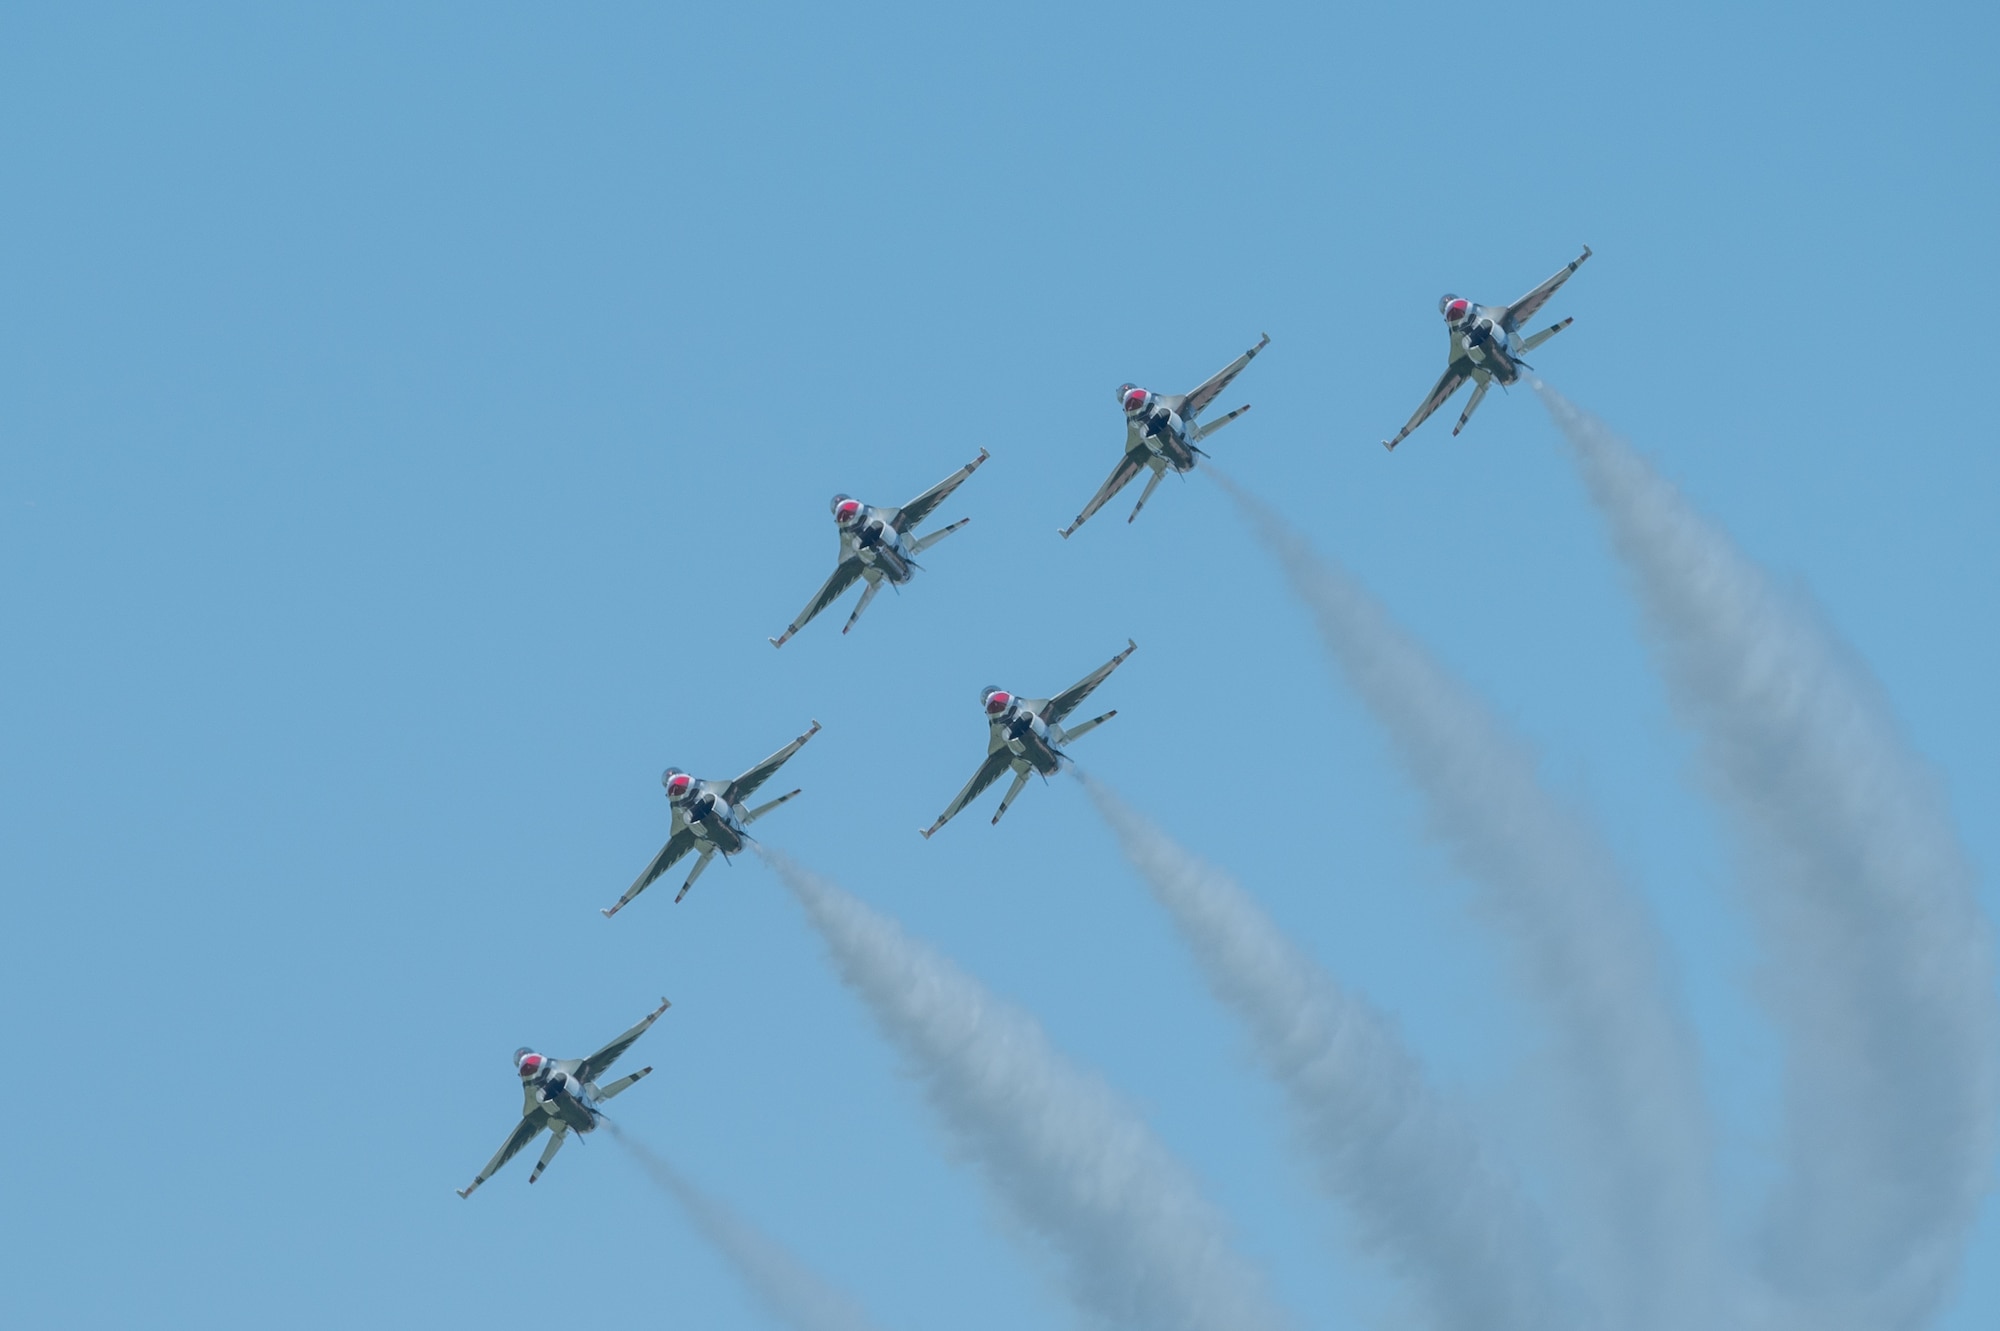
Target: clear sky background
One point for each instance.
(417, 418)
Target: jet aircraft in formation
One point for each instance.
(1161, 433)
(1027, 735)
(1486, 345)
(562, 1095)
(879, 544)
(709, 817)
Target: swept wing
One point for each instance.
(1211, 388)
(597, 1064)
(1526, 307)
(523, 1133)
(906, 518)
(743, 787)
(1455, 375)
(1121, 476)
(998, 759)
(1053, 710)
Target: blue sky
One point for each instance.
(417, 419)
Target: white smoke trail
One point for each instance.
(1412, 1173)
(779, 1281)
(1582, 944)
(1137, 1244)
(1879, 966)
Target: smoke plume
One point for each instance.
(779, 1282)
(1879, 965)
(1582, 944)
(1136, 1243)
(1412, 1174)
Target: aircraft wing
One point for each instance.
(1121, 476)
(997, 761)
(679, 844)
(842, 578)
(1212, 388)
(743, 787)
(906, 518)
(1455, 375)
(1070, 698)
(1526, 307)
(597, 1064)
(523, 1133)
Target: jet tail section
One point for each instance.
(867, 595)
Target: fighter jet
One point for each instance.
(1486, 345)
(879, 544)
(1160, 432)
(709, 817)
(1028, 736)
(563, 1096)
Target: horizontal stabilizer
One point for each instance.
(623, 1083)
(763, 809)
(1545, 335)
(927, 542)
(1204, 431)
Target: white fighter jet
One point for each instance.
(1160, 432)
(1486, 345)
(1028, 736)
(563, 1096)
(879, 544)
(709, 818)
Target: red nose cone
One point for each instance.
(996, 703)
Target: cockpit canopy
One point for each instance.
(527, 1062)
(1455, 309)
(845, 510)
(995, 701)
(1133, 398)
(677, 782)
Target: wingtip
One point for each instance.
(1130, 646)
(1064, 532)
(665, 1003)
(777, 642)
(607, 914)
(1386, 444)
(815, 729)
(463, 1192)
(983, 455)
